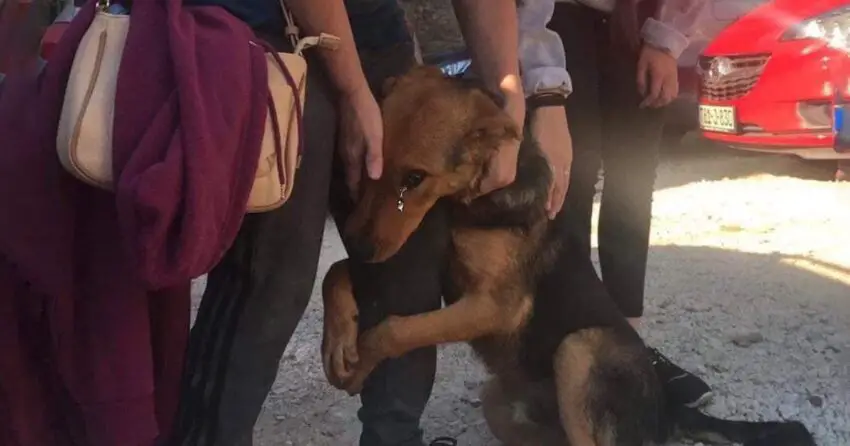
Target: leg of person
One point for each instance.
(396, 393)
(630, 153)
(256, 296)
(578, 27)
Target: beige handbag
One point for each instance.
(84, 138)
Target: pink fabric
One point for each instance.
(94, 286)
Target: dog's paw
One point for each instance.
(339, 349)
(371, 349)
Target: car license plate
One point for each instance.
(715, 118)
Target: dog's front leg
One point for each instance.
(471, 317)
(339, 341)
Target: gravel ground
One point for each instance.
(748, 286)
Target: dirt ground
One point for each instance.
(748, 286)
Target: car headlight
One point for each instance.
(833, 28)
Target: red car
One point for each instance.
(682, 113)
(768, 81)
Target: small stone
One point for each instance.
(471, 385)
(747, 339)
(816, 401)
(473, 402)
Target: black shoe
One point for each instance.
(444, 441)
(682, 387)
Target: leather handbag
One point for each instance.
(84, 138)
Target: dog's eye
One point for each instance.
(413, 179)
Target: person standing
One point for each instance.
(257, 294)
(622, 59)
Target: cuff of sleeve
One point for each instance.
(547, 80)
(661, 35)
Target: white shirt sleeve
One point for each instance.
(541, 51)
(675, 26)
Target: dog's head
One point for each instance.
(439, 134)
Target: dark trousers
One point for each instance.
(609, 130)
(258, 293)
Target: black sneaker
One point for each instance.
(444, 441)
(682, 387)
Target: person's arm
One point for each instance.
(674, 26)
(547, 84)
(361, 131)
(329, 16)
(491, 32)
(541, 52)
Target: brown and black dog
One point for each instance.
(567, 368)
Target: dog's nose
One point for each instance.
(360, 247)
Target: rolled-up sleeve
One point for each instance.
(541, 51)
(675, 26)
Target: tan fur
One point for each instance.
(508, 415)
(427, 118)
(574, 361)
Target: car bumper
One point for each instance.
(813, 146)
(786, 109)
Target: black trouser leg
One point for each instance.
(579, 27)
(609, 129)
(395, 395)
(630, 151)
(255, 298)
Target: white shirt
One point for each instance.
(542, 60)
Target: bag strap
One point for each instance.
(277, 134)
(299, 44)
(292, 31)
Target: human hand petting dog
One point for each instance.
(549, 127)
(657, 77)
(501, 171)
(361, 135)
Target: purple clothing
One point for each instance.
(94, 286)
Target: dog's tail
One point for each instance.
(693, 424)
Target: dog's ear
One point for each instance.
(488, 133)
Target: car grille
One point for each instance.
(745, 72)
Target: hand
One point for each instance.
(361, 136)
(657, 77)
(501, 170)
(549, 127)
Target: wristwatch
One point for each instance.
(546, 99)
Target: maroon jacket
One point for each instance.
(94, 286)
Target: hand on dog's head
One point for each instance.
(439, 134)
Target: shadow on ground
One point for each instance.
(770, 337)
